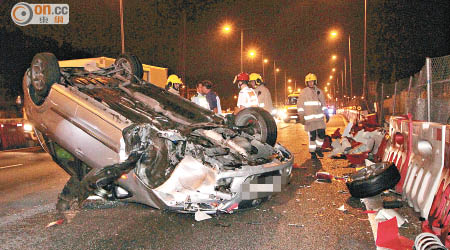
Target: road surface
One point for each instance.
(304, 216)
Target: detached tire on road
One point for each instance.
(44, 73)
(373, 180)
(260, 122)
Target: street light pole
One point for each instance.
(365, 48)
(285, 82)
(275, 76)
(242, 50)
(342, 87)
(122, 35)
(262, 61)
(350, 65)
(345, 74)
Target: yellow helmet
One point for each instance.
(256, 77)
(311, 77)
(173, 81)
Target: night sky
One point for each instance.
(293, 33)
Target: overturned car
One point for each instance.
(122, 138)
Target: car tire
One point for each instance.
(44, 73)
(132, 65)
(267, 127)
(373, 180)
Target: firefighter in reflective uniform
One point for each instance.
(247, 96)
(263, 93)
(173, 84)
(312, 110)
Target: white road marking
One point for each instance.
(11, 166)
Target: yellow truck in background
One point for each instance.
(289, 112)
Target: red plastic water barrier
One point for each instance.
(439, 216)
(396, 149)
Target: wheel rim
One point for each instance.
(255, 127)
(125, 65)
(37, 75)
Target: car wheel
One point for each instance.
(44, 73)
(373, 180)
(131, 67)
(261, 124)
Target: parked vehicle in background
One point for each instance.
(16, 133)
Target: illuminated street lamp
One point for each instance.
(289, 81)
(331, 77)
(328, 84)
(333, 34)
(251, 53)
(235, 96)
(264, 62)
(275, 71)
(334, 57)
(226, 29)
(333, 70)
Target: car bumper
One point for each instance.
(198, 191)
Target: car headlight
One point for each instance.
(283, 114)
(27, 127)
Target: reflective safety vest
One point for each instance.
(311, 105)
(200, 100)
(247, 98)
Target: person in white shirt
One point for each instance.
(200, 97)
(247, 96)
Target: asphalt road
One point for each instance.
(303, 216)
